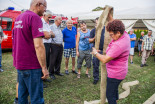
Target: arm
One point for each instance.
(77, 43)
(48, 35)
(142, 46)
(40, 52)
(91, 40)
(103, 58)
(131, 39)
(1, 40)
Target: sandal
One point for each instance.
(88, 75)
(78, 76)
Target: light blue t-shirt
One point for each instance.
(84, 41)
(132, 43)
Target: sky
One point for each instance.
(69, 7)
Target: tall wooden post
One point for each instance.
(103, 20)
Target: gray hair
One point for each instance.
(56, 18)
(47, 13)
(142, 32)
(69, 20)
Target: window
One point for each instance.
(6, 23)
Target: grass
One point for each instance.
(70, 90)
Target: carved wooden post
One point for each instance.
(101, 23)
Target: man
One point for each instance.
(140, 43)
(132, 44)
(48, 35)
(96, 62)
(147, 47)
(29, 53)
(56, 48)
(83, 48)
(69, 34)
(1, 39)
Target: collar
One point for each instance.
(44, 21)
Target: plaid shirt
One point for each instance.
(148, 42)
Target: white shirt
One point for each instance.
(46, 27)
(58, 34)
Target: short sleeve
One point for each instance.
(36, 27)
(134, 35)
(114, 51)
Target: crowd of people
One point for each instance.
(38, 50)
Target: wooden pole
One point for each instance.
(103, 20)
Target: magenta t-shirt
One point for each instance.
(27, 26)
(119, 50)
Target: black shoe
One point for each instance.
(1, 70)
(15, 101)
(52, 77)
(44, 86)
(142, 65)
(59, 74)
(66, 72)
(74, 71)
(47, 80)
(95, 82)
(145, 65)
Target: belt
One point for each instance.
(57, 44)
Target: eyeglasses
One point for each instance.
(43, 4)
(49, 17)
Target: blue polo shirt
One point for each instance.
(132, 43)
(69, 37)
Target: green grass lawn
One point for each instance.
(70, 90)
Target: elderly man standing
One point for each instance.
(29, 53)
(147, 47)
(69, 34)
(132, 44)
(56, 49)
(48, 35)
(1, 39)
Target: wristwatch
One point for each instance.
(95, 53)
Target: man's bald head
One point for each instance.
(38, 6)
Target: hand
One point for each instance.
(94, 50)
(45, 73)
(52, 34)
(77, 53)
(142, 49)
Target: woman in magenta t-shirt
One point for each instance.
(116, 58)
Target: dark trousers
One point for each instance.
(96, 64)
(55, 59)
(47, 48)
(112, 90)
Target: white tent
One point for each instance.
(136, 18)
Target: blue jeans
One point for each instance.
(112, 90)
(0, 56)
(96, 64)
(139, 47)
(30, 83)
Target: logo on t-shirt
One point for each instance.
(40, 29)
(18, 24)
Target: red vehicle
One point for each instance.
(7, 19)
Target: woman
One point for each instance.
(116, 58)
